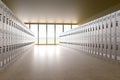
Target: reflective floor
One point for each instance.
(59, 63)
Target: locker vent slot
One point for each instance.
(3, 19)
(103, 46)
(99, 27)
(106, 25)
(107, 46)
(116, 47)
(111, 47)
(116, 23)
(7, 21)
(3, 49)
(103, 26)
(10, 22)
(96, 45)
(0, 16)
(0, 50)
(111, 24)
(99, 45)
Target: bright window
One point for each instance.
(34, 29)
(50, 34)
(67, 28)
(58, 32)
(74, 26)
(42, 33)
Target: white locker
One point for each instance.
(104, 35)
(108, 27)
(100, 37)
(4, 35)
(7, 36)
(91, 39)
(97, 37)
(112, 30)
(1, 35)
(94, 38)
(118, 35)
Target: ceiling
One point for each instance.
(58, 11)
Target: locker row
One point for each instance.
(99, 37)
(15, 37)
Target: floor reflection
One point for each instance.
(46, 54)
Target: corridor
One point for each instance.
(50, 62)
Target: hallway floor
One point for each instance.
(59, 63)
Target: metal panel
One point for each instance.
(112, 30)
(1, 35)
(108, 27)
(118, 35)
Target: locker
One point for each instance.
(108, 46)
(7, 35)
(88, 38)
(4, 35)
(100, 37)
(94, 38)
(118, 35)
(104, 36)
(90, 25)
(97, 37)
(1, 34)
(112, 30)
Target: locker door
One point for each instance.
(97, 37)
(91, 38)
(7, 35)
(101, 37)
(94, 37)
(118, 35)
(4, 35)
(104, 36)
(108, 45)
(1, 35)
(9, 27)
(112, 30)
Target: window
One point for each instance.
(50, 34)
(74, 26)
(58, 32)
(34, 29)
(67, 28)
(42, 33)
(27, 25)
